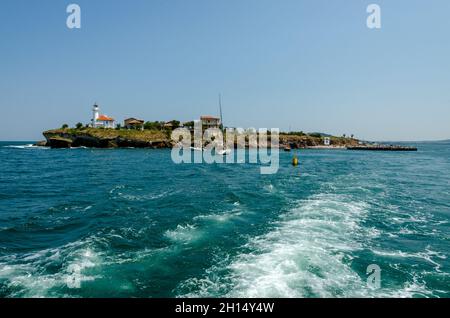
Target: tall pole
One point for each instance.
(220, 108)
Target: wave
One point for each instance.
(129, 194)
(220, 218)
(427, 255)
(183, 233)
(308, 253)
(28, 275)
(27, 146)
(234, 212)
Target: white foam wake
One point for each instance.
(307, 254)
(27, 276)
(183, 234)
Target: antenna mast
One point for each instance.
(220, 108)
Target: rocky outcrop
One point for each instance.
(42, 143)
(105, 138)
(112, 138)
(59, 142)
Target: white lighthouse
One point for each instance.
(95, 114)
(101, 121)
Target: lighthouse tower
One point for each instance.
(95, 114)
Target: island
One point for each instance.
(104, 132)
(151, 138)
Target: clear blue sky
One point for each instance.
(309, 65)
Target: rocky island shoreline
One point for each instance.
(156, 139)
(105, 138)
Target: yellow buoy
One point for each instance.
(295, 161)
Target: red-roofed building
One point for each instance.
(101, 120)
(210, 122)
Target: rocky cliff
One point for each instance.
(106, 138)
(112, 138)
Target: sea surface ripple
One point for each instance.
(130, 223)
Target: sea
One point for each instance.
(131, 223)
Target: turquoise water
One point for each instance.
(130, 223)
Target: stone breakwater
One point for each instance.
(383, 148)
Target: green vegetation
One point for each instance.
(102, 133)
(189, 124)
(153, 125)
(315, 135)
(173, 124)
(64, 126)
(296, 133)
(155, 132)
(79, 126)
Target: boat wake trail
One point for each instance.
(309, 253)
(29, 276)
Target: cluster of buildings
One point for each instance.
(103, 121)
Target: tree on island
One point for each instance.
(79, 126)
(316, 135)
(153, 125)
(174, 124)
(295, 133)
(65, 126)
(189, 124)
